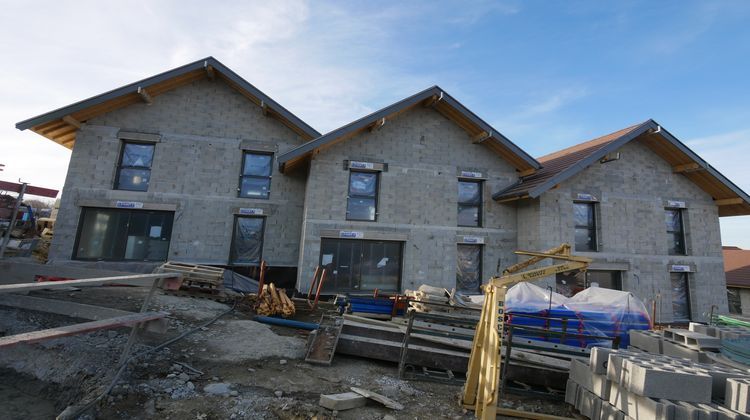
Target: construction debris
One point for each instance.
(321, 343)
(200, 278)
(379, 398)
(341, 402)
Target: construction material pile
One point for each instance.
(272, 301)
(598, 315)
(428, 299)
(701, 343)
(620, 384)
(195, 278)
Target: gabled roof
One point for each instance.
(61, 125)
(561, 165)
(434, 97)
(737, 266)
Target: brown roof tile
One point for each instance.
(737, 266)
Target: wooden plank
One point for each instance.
(729, 201)
(379, 398)
(137, 279)
(123, 321)
(685, 167)
(72, 121)
(61, 307)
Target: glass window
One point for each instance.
(735, 303)
(585, 226)
(247, 242)
(134, 171)
(362, 202)
(569, 284)
(680, 297)
(255, 180)
(360, 265)
(470, 203)
(469, 268)
(675, 231)
(119, 234)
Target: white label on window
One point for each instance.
(473, 239)
(351, 234)
(471, 174)
(676, 204)
(327, 259)
(129, 205)
(585, 197)
(361, 165)
(382, 262)
(155, 232)
(680, 268)
(251, 211)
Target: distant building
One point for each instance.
(198, 165)
(737, 269)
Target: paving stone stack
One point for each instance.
(627, 384)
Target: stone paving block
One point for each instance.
(737, 395)
(648, 380)
(677, 350)
(344, 401)
(649, 341)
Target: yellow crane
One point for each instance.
(483, 375)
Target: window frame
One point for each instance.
(375, 196)
(683, 237)
(618, 280)
(480, 206)
(79, 231)
(359, 264)
(594, 228)
(242, 176)
(120, 167)
(231, 261)
(688, 300)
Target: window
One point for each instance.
(255, 180)
(570, 284)
(675, 231)
(134, 170)
(361, 265)
(469, 268)
(247, 240)
(362, 202)
(680, 297)
(584, 215)
(119, 234)
(735, 303)
(470, 203)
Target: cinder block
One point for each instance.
(582, 375)
(344, 401)
(639, 407)
(737, 395)
(694, 411)
(703, 329)
(663, 382)
(677, 350)
(610, 412)
(571, 391)
(719, 376)
(588, 404)
(599, 359)
(650, 341)
(692, 339)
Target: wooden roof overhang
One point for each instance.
(61, 125)
(434, 97)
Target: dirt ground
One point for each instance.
(234, 369)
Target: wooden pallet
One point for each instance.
(321, 343)
(194, 274)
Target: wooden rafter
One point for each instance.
(481, 137)
(377, 125)
(72, 121)
(687, 167)
(145, 96)
(210, 73)
(729, 201)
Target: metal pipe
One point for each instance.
(286, 322)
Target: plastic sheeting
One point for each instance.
(468, 268)
(594, 311)
(680, 297)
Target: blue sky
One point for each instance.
(547, 74)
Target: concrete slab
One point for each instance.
(344, 401)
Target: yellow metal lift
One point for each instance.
(483, 376)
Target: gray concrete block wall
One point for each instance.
(632, 194)
(417, 196)
(196, 168)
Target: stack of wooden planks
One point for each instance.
(272, 301)
(203, 278)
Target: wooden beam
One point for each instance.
(687, 167)
(72, 121)
(526, 172)
(137, 279)
(145, 96)
(480, 137)
(509, 199)
(264, 108)
(729, 201)
(377, 125)
(432, 100)
(210, 73)
(122, 321)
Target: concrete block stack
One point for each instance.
(624, 384)
(692, 345)
(723, 332)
